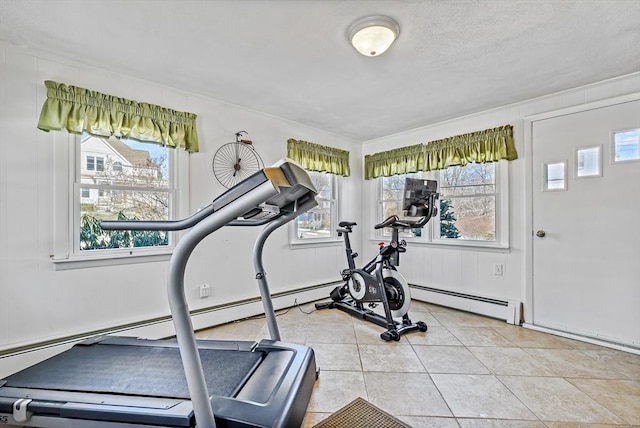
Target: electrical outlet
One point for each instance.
(498, 269)
(205, 291)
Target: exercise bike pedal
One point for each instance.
(338, 293)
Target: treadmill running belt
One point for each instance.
(152, 371)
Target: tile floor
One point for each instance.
(465, 371)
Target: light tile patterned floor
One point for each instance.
(465, 371)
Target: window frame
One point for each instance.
(68, 165)
(431, 235)
(332, 239)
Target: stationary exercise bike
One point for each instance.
(379, 281)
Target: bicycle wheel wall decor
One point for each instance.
(236, 161)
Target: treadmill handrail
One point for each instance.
(164, 225)
(263, 286)
(279, 183)
(289, 187)
(178, 302)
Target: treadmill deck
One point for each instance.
(124, 367)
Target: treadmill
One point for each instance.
(127, 382)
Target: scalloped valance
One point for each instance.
(315, 157)
(489, 145)
(80, 110)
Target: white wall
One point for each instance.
(471, 270)
(39, 303)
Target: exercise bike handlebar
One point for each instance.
(392, 221)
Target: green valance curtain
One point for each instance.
(396, 161)
(81, 110)
(489, 145)
(314, 157)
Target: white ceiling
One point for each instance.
(292, 58)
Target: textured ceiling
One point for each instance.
(292, 58)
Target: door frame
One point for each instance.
(527, 292)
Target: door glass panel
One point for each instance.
(555, 176)
(588, 162)
(626, 145)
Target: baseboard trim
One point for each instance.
(587, 339)
(19, 357)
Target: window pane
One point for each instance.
(315, 223)
(554, 176)
(122, 205)
(112, 167)
(319, 222)
(393, 187)
(125, 163)
(468, 202)
(588, 162)
(390, 208)
(626, 145)
(468, 218)
(471, 179)
(323, 184)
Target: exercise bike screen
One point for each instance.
(417, 196)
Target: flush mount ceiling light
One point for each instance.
(373, 35)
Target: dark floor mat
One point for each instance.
(135, 370)
(361, 414)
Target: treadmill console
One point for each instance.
(294, 188)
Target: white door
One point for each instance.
(586, 224)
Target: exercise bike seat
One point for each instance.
(347, 223)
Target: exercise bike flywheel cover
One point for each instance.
(393, 278)
(357, 287)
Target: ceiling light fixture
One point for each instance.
(372, 36)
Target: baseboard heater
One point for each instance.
(19, 357)
(508, 310)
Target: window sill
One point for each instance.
(315, 243)
(476, 245)
(101, 260)
(471, 245)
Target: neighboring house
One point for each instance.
(110, 162)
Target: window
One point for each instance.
(473, 207)
(122, 180)
(319, 223)
(554, 176)
(94, 163)
(588, 162)
(626, 145)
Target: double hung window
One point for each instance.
(319, 224)
(472, 206)
(118, 179)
